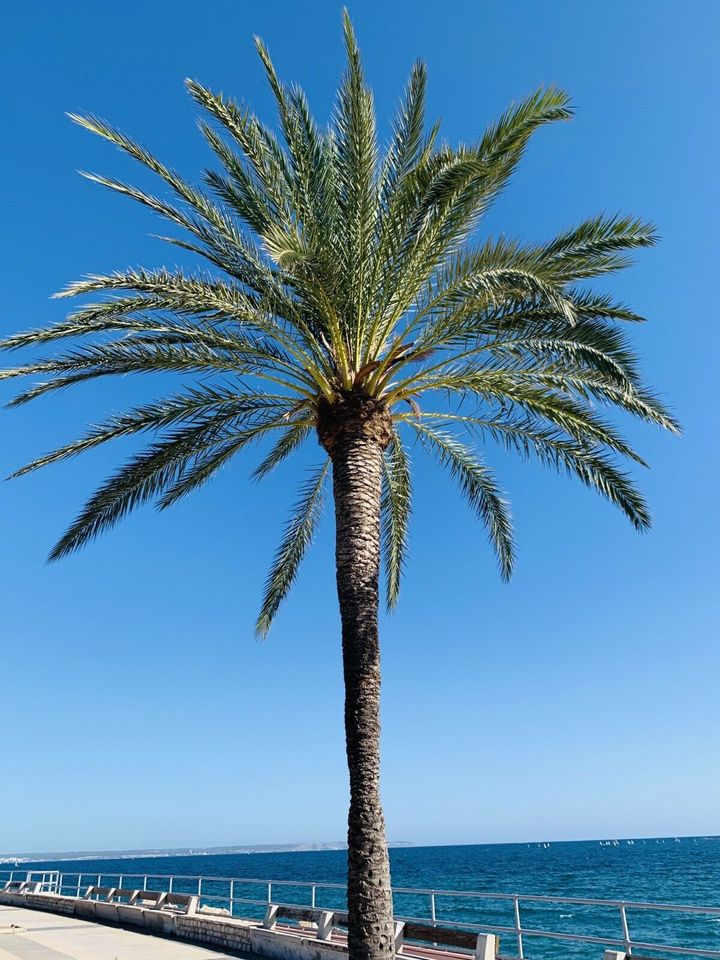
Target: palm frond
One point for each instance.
(168, 468)
(139, 480)
(356, 162)
(527, 436)
(201, 205)
(296, 539)
(291, 439)
(459, 188)
(193, 405)
(206, 464)
(597, 246)
(156, 356)
(395, 508)
(479, 488)
(537, 393)
(267, 161)
(407, 142)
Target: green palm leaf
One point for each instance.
(479, 488)
(395, 508)
(296, 539)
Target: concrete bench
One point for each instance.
(145, 909)
(483, 945)
(99, 893)
(97, 904)
(149, 898)
(21, 886)
(287, 911)
(124, 895)
(154, 909)
(120, 907)
(184, 903)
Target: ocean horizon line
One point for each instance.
(310, 847)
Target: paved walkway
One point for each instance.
(33, 935)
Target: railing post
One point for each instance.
(398, 935)
(232, 895)
(625, 929)
(269, 891)
(325, 925)
(79, 883)
(518, 927)
(145, 882)
(170, 882)
(486, 947)
(312, 896)
(199, 888)
(120, 880)
(432, 908)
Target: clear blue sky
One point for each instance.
(581, 700)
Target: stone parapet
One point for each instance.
(228, 933)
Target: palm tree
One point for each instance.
(345, 299)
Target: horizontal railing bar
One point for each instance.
(583, 937)
(460, 925)
(634, 944)
(669, 949)
(466, 894)
(421, 891)
(630, 904)
(541, 898)
(304, 906)
(178, 876)
(675, 908)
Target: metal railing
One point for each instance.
(44, 881)
(430, 906)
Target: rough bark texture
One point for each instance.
(355, 433)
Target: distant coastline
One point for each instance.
(178, 852)
(249, 849)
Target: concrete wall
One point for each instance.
(39, 901)
(228, 934)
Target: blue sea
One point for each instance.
(684, 871)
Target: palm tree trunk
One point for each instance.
(357, 471)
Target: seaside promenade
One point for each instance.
(48, 915)
(35, 935)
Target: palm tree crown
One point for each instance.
(343, 286)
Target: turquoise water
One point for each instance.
(686, 872)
